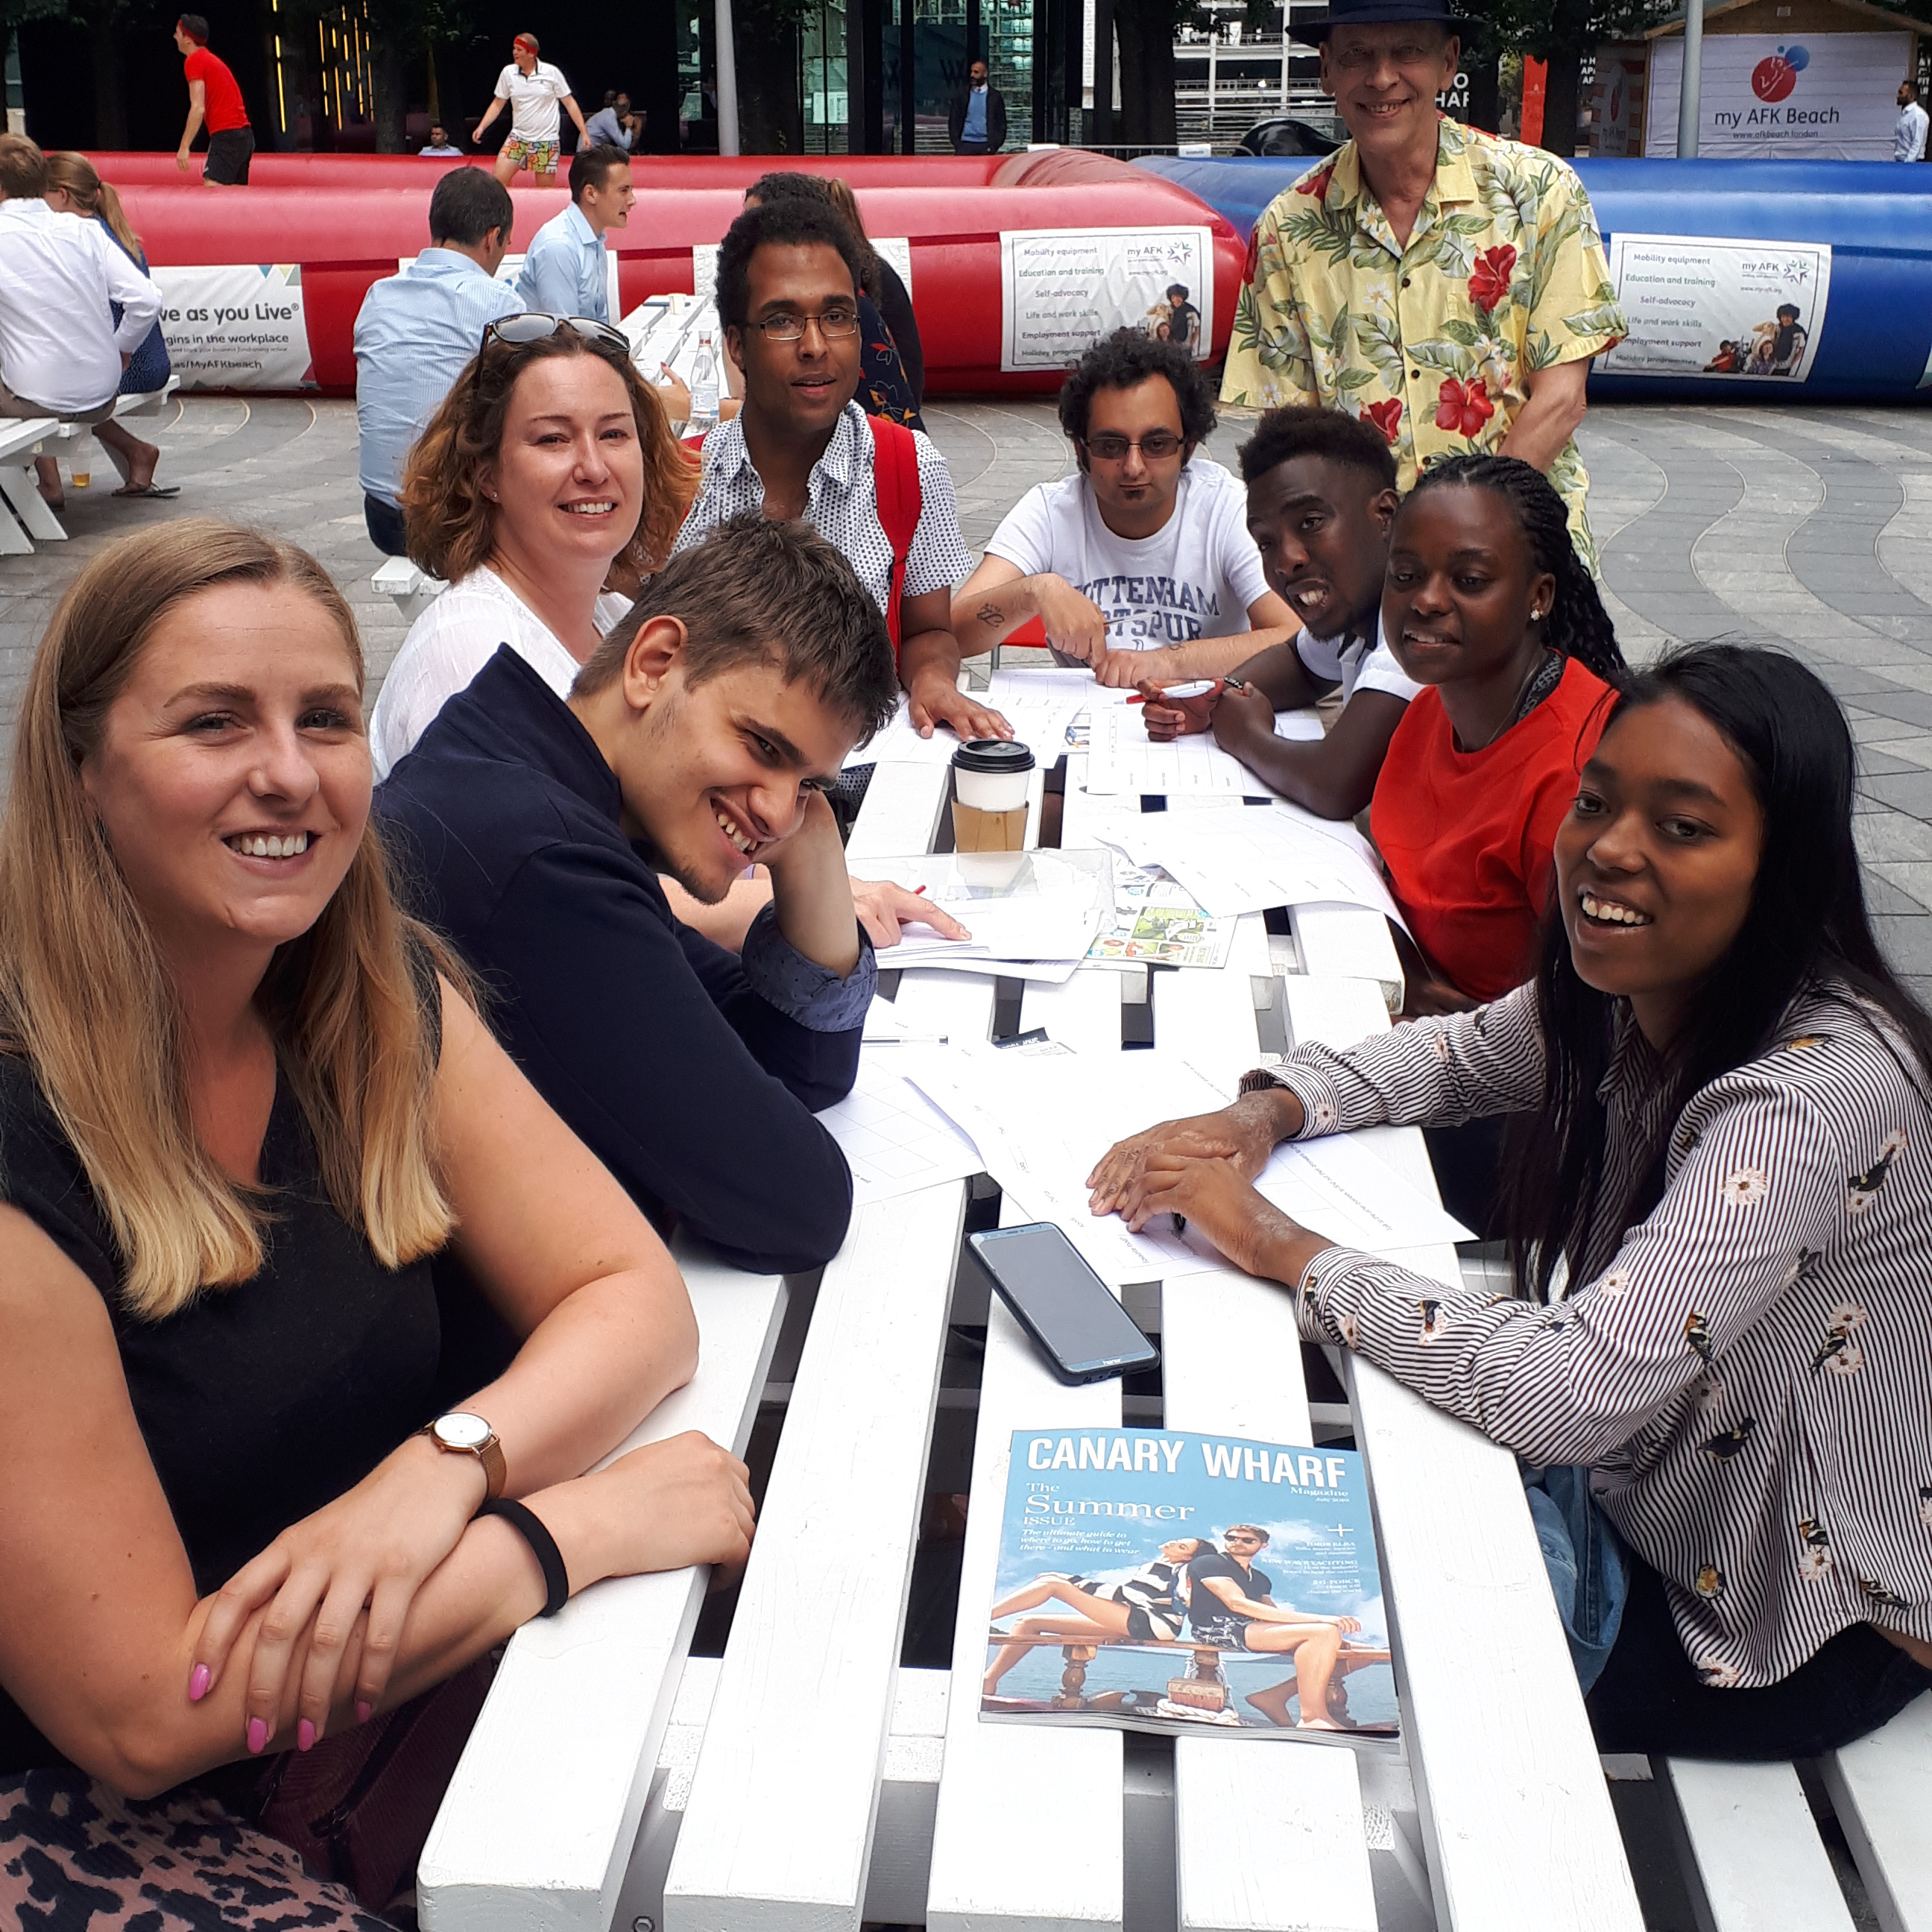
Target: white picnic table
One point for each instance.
(809, 1780)
(24, 513)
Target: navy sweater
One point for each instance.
(695, 1090)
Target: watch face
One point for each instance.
(458, 1431)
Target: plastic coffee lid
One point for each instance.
(997, 756)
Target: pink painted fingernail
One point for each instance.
(198, 1681)
(365, 1710)
(258, 1737)
(305, 1735)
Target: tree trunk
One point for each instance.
(110, 105)
(1485, 90)
(771, 117)
(1145, 28)
(1559, 101)
(391, 88)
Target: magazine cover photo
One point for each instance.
(1155, 1580)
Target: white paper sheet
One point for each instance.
(1245, 859)
(1042, 1121)
(1336, 1186)
(897, 743)
(1023, 910)
(894, 1139)
(1122, 758)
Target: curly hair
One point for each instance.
(1579, 626)
(792, 218)
(452, 524)
(1299, 430)
(1125, 360)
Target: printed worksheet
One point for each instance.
(1245, 858)
(1122, 758)
(893, 1138)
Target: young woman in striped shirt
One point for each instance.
(1719, 1140)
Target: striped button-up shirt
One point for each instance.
(1747, 1369)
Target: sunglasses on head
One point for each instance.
(517, 332)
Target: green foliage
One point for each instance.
(1558, 27)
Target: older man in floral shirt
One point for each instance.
(1447, 286)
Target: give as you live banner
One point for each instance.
(236, 326)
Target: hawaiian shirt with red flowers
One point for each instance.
(1503, 275)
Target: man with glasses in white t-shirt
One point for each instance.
(1139, 563)
(536, 90)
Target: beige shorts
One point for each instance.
(11, 405)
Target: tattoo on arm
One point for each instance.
(990, 613)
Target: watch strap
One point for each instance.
(529, 1526)
(495, 1471)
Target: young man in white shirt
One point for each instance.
(60, 352)
(1140, 563)
(536, 90)
(1321, 500)
(566, 271)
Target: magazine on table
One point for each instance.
(1156, 922)
(1154, 1580)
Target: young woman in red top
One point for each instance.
(1487, 603)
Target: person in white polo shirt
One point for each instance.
(1139, 563)
(1321, 500)
(536, 90)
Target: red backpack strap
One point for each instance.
(896, 483)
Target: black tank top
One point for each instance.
(258, 1403)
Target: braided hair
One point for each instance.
(1578, 625)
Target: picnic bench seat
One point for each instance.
(410, 588)
(21, 441)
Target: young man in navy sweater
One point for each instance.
(697, 741)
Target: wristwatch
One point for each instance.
(459, 1433)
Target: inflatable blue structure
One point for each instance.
(1874, 336)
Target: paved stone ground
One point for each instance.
(1807, 527)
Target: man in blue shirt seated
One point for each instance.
(418, 331)
(440, 143)
(697, 741)
(613, 125)
(564, 271)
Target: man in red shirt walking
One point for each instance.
(214, 98)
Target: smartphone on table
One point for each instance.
(1062, 1303)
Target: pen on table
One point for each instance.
(1206, 687)
(1180, 1221)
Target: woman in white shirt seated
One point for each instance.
(547, 485)
(1721, 1134)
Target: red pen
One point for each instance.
(919, 892)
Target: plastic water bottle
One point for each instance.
(704, 385)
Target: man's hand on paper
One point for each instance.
(883, 908)
(1124, 670)
(1074, 623)
(1241, 1136)
(933, 699)
(1241, 718)
(1168, 718)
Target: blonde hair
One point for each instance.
(87, 999)
(76, 177)
(452, 524)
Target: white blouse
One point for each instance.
(452, 641)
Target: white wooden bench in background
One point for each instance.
(20, 442)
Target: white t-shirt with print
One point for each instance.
(533, 98)
(1355, 664)
(1194, 578)
(452, 641)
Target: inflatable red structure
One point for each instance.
(346, 221)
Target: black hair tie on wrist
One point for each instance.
(529, 1526)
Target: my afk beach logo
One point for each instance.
(1777, 74)
(1774, 80)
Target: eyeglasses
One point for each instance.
(1156, 446)
(834, 324)
(1236, 1536)
(517, 332)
